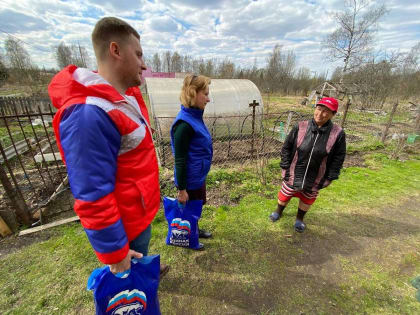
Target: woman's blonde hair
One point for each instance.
(192, 85)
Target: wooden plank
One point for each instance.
(311, 96)
(48, 157)
(4, 228)
(49, 225)
(21, 147)
(289, 120)
(391, 116)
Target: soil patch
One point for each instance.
(13, 243)
(354, 159)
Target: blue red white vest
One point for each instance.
(200, 152)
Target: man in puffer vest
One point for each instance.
(311, 158)
(103, 133)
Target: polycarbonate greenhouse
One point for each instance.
(227, 97)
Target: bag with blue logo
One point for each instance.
(129, 293)
(182, 222)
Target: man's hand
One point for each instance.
(125, 264)
(183, 196)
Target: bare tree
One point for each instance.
(409, 74)
(19, 61)
(63, 55)
(4, 73)
(167, 61)
(273, 66)
(280, 69)
(156, 63)
(354, 35)
(337, 74)
(376, 78)
(148, 61)
(226, 69)
(17, 55)
(74, 54)
(201, 67)
(303, 81)
(176, 62)
(196, 66)
(188, 64)
(386, 76)
(254, 74)
(288, 70)
(411, 62)
(80, 56)
(209, 69)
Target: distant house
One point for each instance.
(148, 73)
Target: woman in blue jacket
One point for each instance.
(191, 142)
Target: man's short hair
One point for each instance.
(110, 29)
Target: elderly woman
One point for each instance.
(312, 156)
(191, 143)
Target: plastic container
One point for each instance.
(412, 138)
(281, 132)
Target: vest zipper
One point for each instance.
(310, 156)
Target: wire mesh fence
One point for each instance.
(34, 172)
(363, 122)
(235, 138)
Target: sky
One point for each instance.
(240, 30)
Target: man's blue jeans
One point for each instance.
(141, 243)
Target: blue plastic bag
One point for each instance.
(133, 294)
(182, 222)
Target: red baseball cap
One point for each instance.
(329, 102)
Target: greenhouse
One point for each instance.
(227, 97)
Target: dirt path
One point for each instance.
(300, 274)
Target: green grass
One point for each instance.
(281, 99)
(12, 91)
(368, 144)
(17, 133)
(357, 256)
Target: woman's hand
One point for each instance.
(183, 196)
(326, 183)
(283, 173)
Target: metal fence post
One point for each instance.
(160, 141)
(9, 218)
(14, 195)
(391, 116)
(346, 109)
(253, 105)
